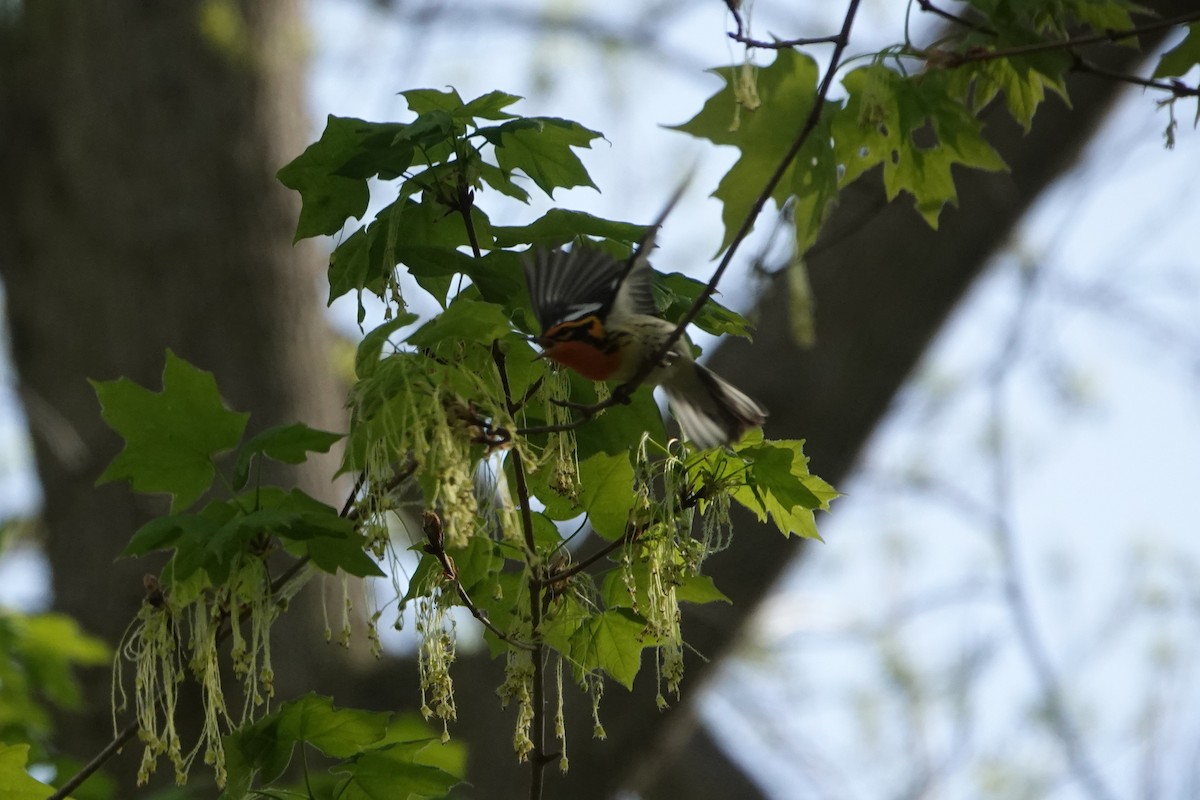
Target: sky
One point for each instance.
(1055, 421)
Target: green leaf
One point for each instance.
(309, 527)
(786, 90)
(814, 183)
(370, 349)
(266, 746)
(1180, 59)
(541, 148)
(350, 264)
(328, 199)
(500, 279)
(448, 756)
(606, 492)
(336, 732)
(393, 772)
(502, 182)
(162, 533)
(290, 444)
(559, 504)
(17, 783)
(170, 436)
(346, 554)
(674, 294)
(884, 114)
(464, 321)
(1021, 81)
(423, 101)
(612, 641)
(502, 606)
(491, 105)
(421, 235)
(42, 652)
(619, 428)
(560, 226)
(562, 621)
(424, 579)
(477, 564)
(699, 589)
(218, 536)
(781, 487)
(775, 471)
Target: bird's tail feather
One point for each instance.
(710, 410)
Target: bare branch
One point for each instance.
(929, 7)
(538, 758)
(949, 60)
(783, 44)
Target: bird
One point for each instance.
(598, 318)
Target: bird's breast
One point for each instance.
(588, 360)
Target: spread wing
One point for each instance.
(566, 285)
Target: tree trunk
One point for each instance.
(142, 213)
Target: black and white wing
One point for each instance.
(566, 285)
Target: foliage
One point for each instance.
(377, 755)
(458, 411)
(39, 654)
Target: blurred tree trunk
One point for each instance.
(141, 212)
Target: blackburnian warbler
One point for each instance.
(598, 317)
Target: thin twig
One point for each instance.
(783, 44)
(436, 547)
(86, 771)
(928, 6)
(950, 60)
(538, 758)
(1175, 87)
(465, 201)
(630, 534)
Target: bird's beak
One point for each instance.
(540, 342)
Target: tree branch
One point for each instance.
(810, 124)
(622, 393)
(538, 758)
(783, 44)
(929, 7)
(1175, 87)
(949, 60)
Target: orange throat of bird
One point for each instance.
(588, 360)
